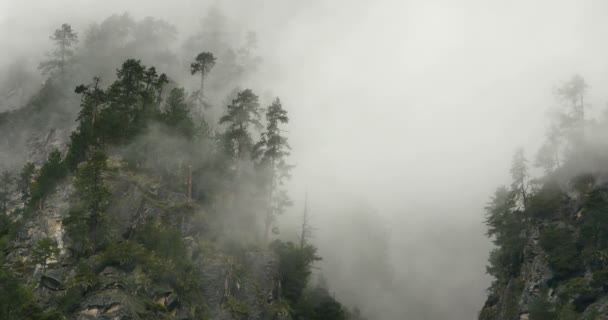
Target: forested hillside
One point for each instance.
(550, 225)
(141, 183)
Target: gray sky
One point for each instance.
(412, 107)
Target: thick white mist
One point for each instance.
(411, 109)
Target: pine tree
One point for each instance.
(91, 188)
(25, 182)
(6, 188)
(241, 114)
(50, 174)
(86, 135)
(45, 249)
(177, 113)
(504, 226)
(271, 150)
(131, 100)
(64, 39)
(202, 64)
(151, 94)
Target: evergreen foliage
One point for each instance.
(52, 171)
(25, 181)
(242, 114)
(295, 267)
(45, 249)
(133, 129)
(65, 39)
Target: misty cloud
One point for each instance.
(411, 107)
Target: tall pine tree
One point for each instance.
(271, 150)
(65, 39)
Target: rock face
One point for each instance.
(581, 286)
(512, 301)
(243, 286)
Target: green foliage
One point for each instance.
(567, 312)
(594, 227)
(163, 240)
(519, 173)
(46, 248)
(125, 255)
(157, 254)
(95, 196)
(236, 307)
(505, 224)
(579, 292)
(65, 38)
(241, 114)
(317, 304)
(50, 174)
(82, 282)
(77, 229)
(202, 64)
(563, 254)
(294, 267)
(17, 302)
(86, 224)
(87, 133)
(24, 183)
(547, 202)
(330, 310)
(272, 149)
(8, 232)
(6, 188)
(541, 308)
(177, 113)
(600, 280)
(118, 114)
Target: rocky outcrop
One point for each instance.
(243, 286)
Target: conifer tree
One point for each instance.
(272, 149)
(241, 114)
(131, 100)
(43, 250)
(50, 173)
(94, 194)
(6, 188)
(24, 183)
(202, 64)
(87, 134)
(177, 113)
(65, 39)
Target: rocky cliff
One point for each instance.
(235, 284)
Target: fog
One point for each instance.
(404, 117)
